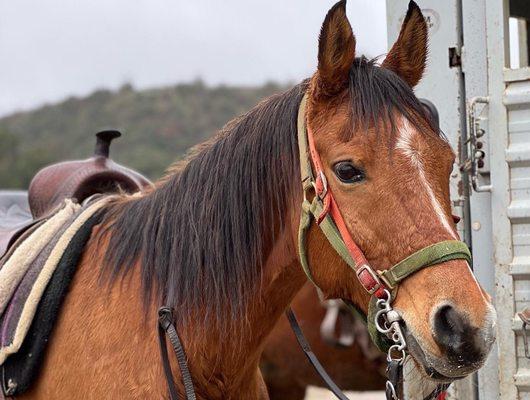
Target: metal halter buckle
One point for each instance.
(370, 287)
(324, 181)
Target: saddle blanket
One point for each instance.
(34, 279)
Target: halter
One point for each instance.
(383, 322)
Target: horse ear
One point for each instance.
(336, 52)
(408, 56)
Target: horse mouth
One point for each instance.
(427, 366)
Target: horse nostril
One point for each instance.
(456, 337)
(448, 327)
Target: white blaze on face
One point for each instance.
(405, 145)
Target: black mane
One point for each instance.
(202, 236)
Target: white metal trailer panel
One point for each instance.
(516, 273)
(509, 125)
(497, 219)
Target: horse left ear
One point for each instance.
(408, 56)
(336, 52)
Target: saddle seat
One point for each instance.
(77, 180)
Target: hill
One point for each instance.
(159, 125)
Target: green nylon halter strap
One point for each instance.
(312, 209)
(431, 255)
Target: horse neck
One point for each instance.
(283, 277)
(237, 356)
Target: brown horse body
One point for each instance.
(286, 370)
(217, 238)
(111, 351)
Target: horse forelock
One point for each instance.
(379, 98)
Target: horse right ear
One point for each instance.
(336, 52)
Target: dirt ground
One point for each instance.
(322, 394)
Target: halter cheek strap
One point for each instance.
(323, 209)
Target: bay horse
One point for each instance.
(217, 238)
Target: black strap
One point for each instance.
(302, 341)
(394, 372)
(165, 326)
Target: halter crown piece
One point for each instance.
(320, 205)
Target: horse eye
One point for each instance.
(348, 173)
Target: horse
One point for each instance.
(216, 239)
(287, 373)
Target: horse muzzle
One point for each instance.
(462, 347)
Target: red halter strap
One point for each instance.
(366, 275)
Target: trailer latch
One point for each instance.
(476, 155)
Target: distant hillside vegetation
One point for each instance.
(159, 125)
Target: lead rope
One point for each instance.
(387, 322)
(395, 364)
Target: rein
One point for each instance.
(166, 327)
(384, 323)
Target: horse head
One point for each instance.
(388, 167)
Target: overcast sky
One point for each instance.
(52, 49)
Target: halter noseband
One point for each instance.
(383, 322)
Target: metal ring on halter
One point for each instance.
(306, 185)
(324, 185)
(396, 348)
(383, 303)
(388, 295)
(382, 329)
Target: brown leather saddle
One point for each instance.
(77, 179)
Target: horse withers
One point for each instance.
(217, 238)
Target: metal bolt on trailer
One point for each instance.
(484, 106)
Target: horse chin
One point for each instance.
(432, 368)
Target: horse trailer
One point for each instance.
(479, 80)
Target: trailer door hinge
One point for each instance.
(455, 57)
